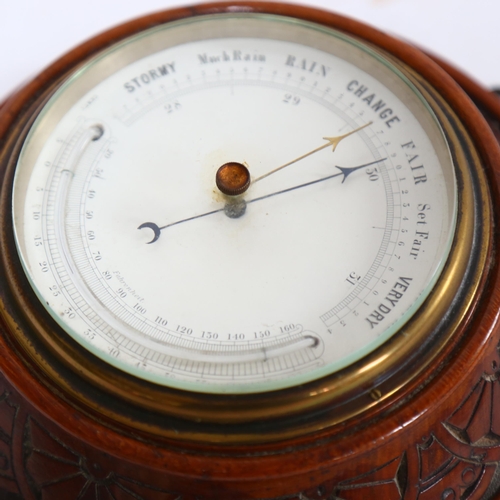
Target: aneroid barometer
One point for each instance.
(249, 252)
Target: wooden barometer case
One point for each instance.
(249, 250)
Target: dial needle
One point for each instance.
(345, 171)
(332, 141)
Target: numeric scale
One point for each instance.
(248, 251)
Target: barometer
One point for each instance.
(249, 252)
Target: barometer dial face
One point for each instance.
(323, 232)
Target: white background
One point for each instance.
(33, 33)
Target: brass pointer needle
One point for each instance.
(332, 141)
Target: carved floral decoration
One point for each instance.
(459, 461)
(57, 471)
